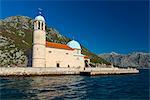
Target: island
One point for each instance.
(50, 58)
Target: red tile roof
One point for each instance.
(86, 57)
(58, 45)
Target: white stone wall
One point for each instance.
(64, 58)
(39, 48)
(39, 37)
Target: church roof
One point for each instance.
(86, 57)
(58, 46)
(74, 44)
(40, 18)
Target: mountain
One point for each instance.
(16, 42)
(135, 59)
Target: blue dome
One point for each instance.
(40, 18)
(74, 44)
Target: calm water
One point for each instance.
(115, 87)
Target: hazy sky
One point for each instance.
(101, 26)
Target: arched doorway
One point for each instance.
(86, 63)
(57, 65)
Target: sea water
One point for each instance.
(102, 87)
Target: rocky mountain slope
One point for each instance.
(16, 42)
(135, 59)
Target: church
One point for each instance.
(50, 54)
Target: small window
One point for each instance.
(68, 66)
(57, 65)
(67, 53)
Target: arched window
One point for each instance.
(42, 26)
(39, 25)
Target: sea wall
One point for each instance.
(27, 71)
(30, 71)
(113, 70)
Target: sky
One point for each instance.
(102, 26)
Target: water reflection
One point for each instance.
(57, 87)
(76, 87)
(60, 86)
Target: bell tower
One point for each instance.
(39, 40)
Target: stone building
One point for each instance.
(49, 54)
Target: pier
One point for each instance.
(108, 71)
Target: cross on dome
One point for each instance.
(40, 17)
(40, 11)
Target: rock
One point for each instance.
(135, 59)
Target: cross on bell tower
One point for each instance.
(40, 11)
(39, 22)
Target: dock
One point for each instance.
(39, 71)
(109, 71)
